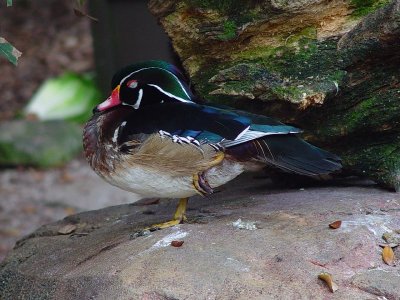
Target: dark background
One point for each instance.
(125, 33)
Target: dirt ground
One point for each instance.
(53, 40)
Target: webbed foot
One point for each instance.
(178, 218)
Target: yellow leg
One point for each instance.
(179, 217)
(218, 158)
(180, 213)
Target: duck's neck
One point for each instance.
(97, 136)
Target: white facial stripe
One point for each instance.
(176, 79)
(116, 132)
(115, 136)
(137, 104)
(169, 94)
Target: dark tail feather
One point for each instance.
(289, 153)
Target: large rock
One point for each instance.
(276, 251)
(329, 67)
(39, 144)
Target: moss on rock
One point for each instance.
(229, 31)
(364, 7)
(330, 67)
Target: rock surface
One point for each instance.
(39, 144)
(33, 197)
(329, 67)
(284, 243)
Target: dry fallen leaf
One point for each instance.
(10, 232)
(80, 13)
(67, 229)
(29, 209)
(66, 177)
(335, 225)
(176, 243)
(31, 117)
(388, 256)
(329, 281)
(69, 210)
(317, 263)
(37, 175)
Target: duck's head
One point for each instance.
(147, 83)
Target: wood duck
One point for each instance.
(152, 136)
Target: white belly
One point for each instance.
(150, 183)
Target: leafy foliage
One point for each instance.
(6, 49)
(12, 54)
(9, 51)
(67, 97)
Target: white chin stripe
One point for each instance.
(137, 104)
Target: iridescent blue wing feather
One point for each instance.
(204, 123)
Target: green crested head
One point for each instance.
(147, 83)
(151, 82)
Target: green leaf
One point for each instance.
(9, 2)
(67, 97)
(9, 51)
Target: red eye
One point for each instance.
(132, 84)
